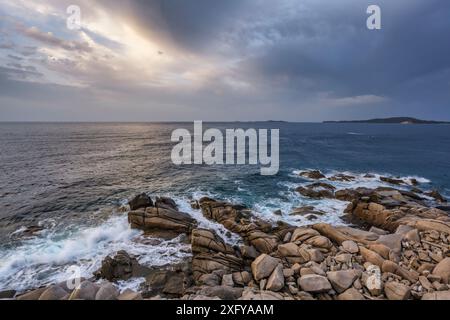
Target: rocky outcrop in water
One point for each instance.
(162, 221)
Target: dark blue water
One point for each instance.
(69, 176)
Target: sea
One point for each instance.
(71, 182)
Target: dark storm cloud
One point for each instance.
(326, 46)
(17, 71)
(289, 59)
(338, 53)
(191, 24)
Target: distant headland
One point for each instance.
(395, 120)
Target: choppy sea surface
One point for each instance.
(70, 179)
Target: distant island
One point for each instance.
(395, 120)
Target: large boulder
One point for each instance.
(263, 266)
(293, 253)
(314, 283)
(342, 280)
(140, 201)
(238, 219)
(32, 295)
(204, 264)
(121, 267)
(107, 291)
(442, 270)
(317, 191)
(160, 220)
(208, 241)
(312, 174)
(86, 291)
(276, 279)
(262, 241)
(166, 203)
(171, 283)
(351, 294)
(54, 292)
(397, 291)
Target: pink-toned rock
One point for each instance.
(397, 291)
(342, 280)
(263, 266)
(439, 295)
(276, 280)
(442, 270)
(371, 256)
(314, 283)
(351, 294)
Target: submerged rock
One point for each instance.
(313, 174)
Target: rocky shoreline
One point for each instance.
(396, 246)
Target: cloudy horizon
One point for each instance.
(234, 60)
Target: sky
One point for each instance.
(227, 60)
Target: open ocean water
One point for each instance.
(71, 179)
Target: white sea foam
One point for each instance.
(45, 259)
(368, 180)
(184, 206)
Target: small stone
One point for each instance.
(343, 258)
(288, 273)
(129, 295)
(292, 289)
(426, 284)
(262, 284)
(439, 286)
(342, 280)
(412, 235)
(351, 294)
(315, 255)
(350, 246)
(296, 268)
(242, 278)
(287, 237)
(306, 271)
(249, 252)
(276, 280)
(423, 255)
(314, 283)
(227, 280)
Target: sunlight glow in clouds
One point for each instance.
(223, 60)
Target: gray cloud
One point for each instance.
(49, 39)
(303, 60)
